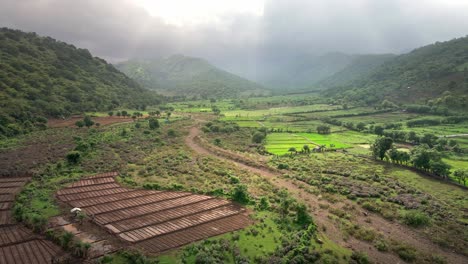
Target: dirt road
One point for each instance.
(390, 230)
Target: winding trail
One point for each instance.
(390, 230)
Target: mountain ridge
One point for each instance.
(180, 75)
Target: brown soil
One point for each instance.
(155, 221)
(102, 120)
(17, 243)
(390, 230)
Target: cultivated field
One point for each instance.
(17, 243)
(155, 221)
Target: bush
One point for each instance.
(416, 218)
(240, 194)
(258, 137)
(406, 253)
(359, 258)
(73, 157)
(283, 166)
(171, 133)
(153, 123)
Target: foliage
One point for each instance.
(258, 137)
(430, 72)
(416, 218)
(183, 77)
(240, 194)
(153, 123)
(40, 76)
(73, 157)
(381, 146)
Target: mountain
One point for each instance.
(299, 72)
(42, 77)
(305, 72)
(180, 75)
(359, 67)
(437, 72)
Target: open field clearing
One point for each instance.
(240, 114)
(280, 143)
(381, 118)
(155, 221)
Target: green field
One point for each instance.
(280, 143)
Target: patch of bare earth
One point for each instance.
(154, 221)
(390, 230)
(102, 120)
(18, 244)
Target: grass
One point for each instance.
(280, 143)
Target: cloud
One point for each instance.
(122, 29)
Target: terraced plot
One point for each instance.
(152, 220)
(18, 244)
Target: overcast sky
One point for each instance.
(231, 33)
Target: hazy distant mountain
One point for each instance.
(180, 75)
(309, 72)
(436, 70)
(359, 67)
(301, 71)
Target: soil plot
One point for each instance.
(155, 221)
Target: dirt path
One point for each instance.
(390, 230)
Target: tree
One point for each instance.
(110, 113)
(421, 157)
(88, 122)
(360, 126)
(302, 217)
(258, 137)
(429, 139)
(292, 150)
(118, 114)
(378, 130)
(323, 129)
(380, 147)
(153, 123)
(440, 168)
(461, 176)
(124, 113)
(306, 149)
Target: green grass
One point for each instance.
(262, 244)
(279, 143)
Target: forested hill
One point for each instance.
(438, 72)
(40, 76)
(359, 67)
(180, 75)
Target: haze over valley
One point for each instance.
(261, 131)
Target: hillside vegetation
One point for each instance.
(180, 75)
(306, 72)
(438, 71)
(360, 66)
(42, 77)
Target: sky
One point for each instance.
(239, 35)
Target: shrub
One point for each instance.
(416, 218)
(171, 133)
(359, 258)
(153, 123)
(283, 166)
(406, 253)
(258, 137)
(73, 157)
(240, 194)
